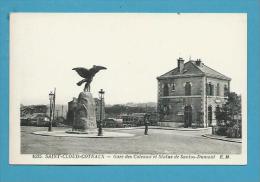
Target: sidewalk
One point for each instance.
(223, 138)
(69, 133)
(165, 128)
(181, 128)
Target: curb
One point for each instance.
(223, 139)
(163, 128)
(65, 134)
(182, 129)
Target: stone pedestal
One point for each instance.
(85, 115)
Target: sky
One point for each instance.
(135, 48)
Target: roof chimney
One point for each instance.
(198, 62)
(180, 65)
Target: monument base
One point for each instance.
(107, 134)
(82, 132)
(85, 120)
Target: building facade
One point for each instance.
(72, 106)
(190, 94)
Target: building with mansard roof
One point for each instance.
(189, 95)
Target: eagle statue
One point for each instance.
(88, 75)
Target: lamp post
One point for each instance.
(51, 98)
(101, 96)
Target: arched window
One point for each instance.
(166, 110)
(218, 115)
(217, 108)
(173, 87)
(225, 91)
(187, 88)
(165, 90)
(210, 89)
(218, 89)
(210, 115)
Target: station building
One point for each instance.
(189, 95)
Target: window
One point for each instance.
(210, 115)
(187, 88)
(210, 89)
(199, 117)
(218, 89)
(217, 109)
(225, 91)
(173, 87)
(166, 110)
(165, 90)
(207, 89)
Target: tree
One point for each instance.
(229, 115)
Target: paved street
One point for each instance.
(158, 141)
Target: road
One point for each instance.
(158, 141)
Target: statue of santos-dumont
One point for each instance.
(85, 112)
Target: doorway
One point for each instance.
(187, 116)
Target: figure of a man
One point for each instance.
(146, 123)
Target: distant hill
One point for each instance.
(114, 111)
(31, 109)
(131, 104)
(26, 111)
(59, 108)
(110, 109)
(146, 104)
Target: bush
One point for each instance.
(234, 131)
(219, 130)
(231, 132)
(229, 117)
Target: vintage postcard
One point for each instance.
(128, 88)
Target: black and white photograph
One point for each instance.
(128, 88)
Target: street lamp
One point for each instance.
(101, 96)
(51, 98)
